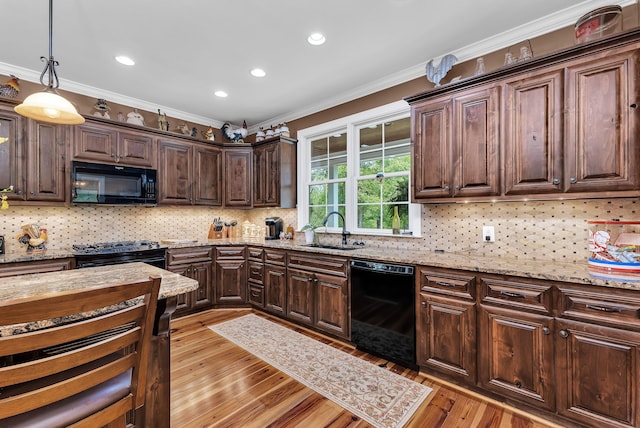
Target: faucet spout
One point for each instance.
(344, 229)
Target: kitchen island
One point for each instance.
(157, 402)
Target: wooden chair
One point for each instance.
(87, 372)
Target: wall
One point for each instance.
(526, 230)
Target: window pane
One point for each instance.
(403, 213)
(335, 220)
(395, 189)
(369, 191)
(370, 163)
(397, 159)
(369, 216)
(338, 167)
(371, 137)
(397, 130)
(336, 194)
(338, 144)
(316, 214)
(319, 149)
(319, 170)
(318, 194)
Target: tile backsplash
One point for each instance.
(531, 230)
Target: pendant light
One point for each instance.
(48, 106)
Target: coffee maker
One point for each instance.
(274, 227)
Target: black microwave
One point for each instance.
(95, 183)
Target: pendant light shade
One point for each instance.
(48, 106)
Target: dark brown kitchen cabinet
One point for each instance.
(46, 162)
(602, 128)
(238, 177)
(207, 175)
(455, 150)
(598, 356)
(274, 176)
(12, 152)
(516, 340)
(446, 323)
(231, 276)
(195, 263)
(175, 169)
(533, 118)
(275, 282)
(318, 293)
(255, 275)
(105, 143)
(40, 266)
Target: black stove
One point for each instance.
(110, 253)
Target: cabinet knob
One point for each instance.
(18, 192)
(32, 193)
(573, 180)
(446, 187)
(518, 384)
(457, 187)
(564, 334)
(556, 181)
(634, 105)
(546, 330)
(423, 304)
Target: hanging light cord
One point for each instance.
(50, 69)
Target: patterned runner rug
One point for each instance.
(378, 396)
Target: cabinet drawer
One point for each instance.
(256, 271)
(230, 253)
(188, 255)
(276, 257)
(255, 253)
(448, 282)
(256, 295)
(615, 307)
(318, 263)
(517, 293)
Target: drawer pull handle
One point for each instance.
(603, 308)
(509, 294)
(445, 284)
(545, 330)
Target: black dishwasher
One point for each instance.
(383, 310)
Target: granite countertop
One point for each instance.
(22, 286)
(577, 272)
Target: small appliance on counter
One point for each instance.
(274, 227)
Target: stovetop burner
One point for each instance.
(115, 247)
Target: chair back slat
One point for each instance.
(59, 364)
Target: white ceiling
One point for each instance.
(186, 49)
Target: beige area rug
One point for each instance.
(378, 396)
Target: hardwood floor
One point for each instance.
(215, 383)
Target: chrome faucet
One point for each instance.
(344, 230)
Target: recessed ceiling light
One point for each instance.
(125, 60)
(316, 39)
(221, 94)
(258, 72)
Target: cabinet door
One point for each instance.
(41, 266)
(271, 176)
(516, 355)
(231, 282)
(238, 178)
(431, 168)
(95, 143)
(533, 134)
(476, 122)
(446, 336)
(602, 124)
(300, 293)
(46, 160)
(12, 153)
(275, 289)
(183, 300)
(207, 176)
(136, 149)
(203, 296)
(175, 169)
(259, 176)
(331, 308)
(598, 374)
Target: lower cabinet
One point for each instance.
(195, 263)
(275, 282)
(41, 266)
(318, 293)
(231, 276)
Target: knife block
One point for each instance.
(213, 234)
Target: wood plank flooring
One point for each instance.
(215, 383)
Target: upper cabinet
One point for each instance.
(12, 152)
(560, 126)
(238, 176)
(105, 143)
(274, 173)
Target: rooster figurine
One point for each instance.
(235, 135)
(33, 236)
(435, 74)
(11, 88)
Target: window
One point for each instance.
(359, 166)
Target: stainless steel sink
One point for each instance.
(330, 247)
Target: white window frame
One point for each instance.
(395, 110)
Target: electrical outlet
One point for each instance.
(488, 234)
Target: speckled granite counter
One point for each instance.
(538, 269)
(41, 283)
